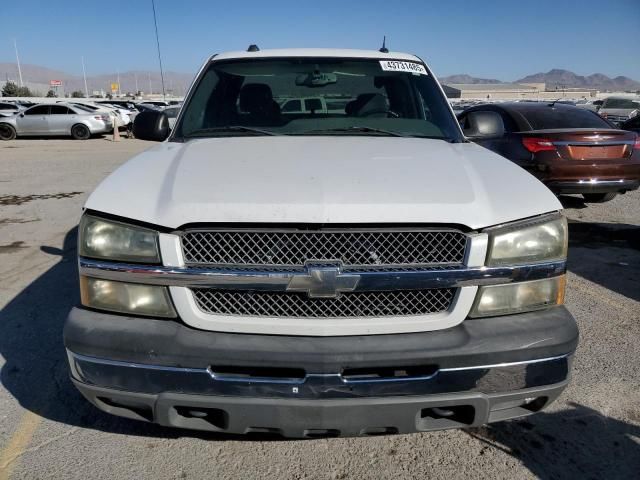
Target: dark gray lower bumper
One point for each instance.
(321, 418)
(480, 371)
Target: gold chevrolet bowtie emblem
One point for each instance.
(323, 281)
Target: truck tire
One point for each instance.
(599, 197)
(80, 132)
(7, 132)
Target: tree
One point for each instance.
(77, 94)
(51, 94)
(10, 89)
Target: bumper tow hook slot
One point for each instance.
(442, 412)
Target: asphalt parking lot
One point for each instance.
(48, 431)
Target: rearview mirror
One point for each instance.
(315, 79)
(483, 125)
(151, 125)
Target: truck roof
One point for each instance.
(317, 52)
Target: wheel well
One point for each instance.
(6, 124)
(80, 124)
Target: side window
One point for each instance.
(292, 106)
(38, 110)
(7, 106)
(510, 124)
(59, 110)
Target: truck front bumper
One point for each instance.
(480, 371)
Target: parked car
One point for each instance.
(329, 274)
(307, 105)
(156, 103)
(142, 107)
(593, 105)
(633, 124)
(125, 104)
(571, 150)
(55, 119)
(123, 116)
(619, 109)
(7, 109)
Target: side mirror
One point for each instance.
(22, 114)
(152, 125)
(483, 125)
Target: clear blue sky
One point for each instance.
(493, 38)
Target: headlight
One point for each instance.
(112, 240)
(518, 297)
(126, 297)
(539, 240)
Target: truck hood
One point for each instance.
(321, 179)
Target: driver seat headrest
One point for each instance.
(367, 103)
(256, 98)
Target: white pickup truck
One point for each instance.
(356, 273)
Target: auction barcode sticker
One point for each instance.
(399, 66)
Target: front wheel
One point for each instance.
(80, 132)
(599, 197)
(7, 132)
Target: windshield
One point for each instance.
(317, 96)
(625, 103)
(546, 118)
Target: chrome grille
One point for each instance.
(354, 248)
(354, 304)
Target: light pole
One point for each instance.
(15, 46)
(84, 74)
(155, 22)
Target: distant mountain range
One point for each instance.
(566, 79)
(465, 79)
(179, 82)
(559, 78)
(35, 74)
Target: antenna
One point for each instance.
(384, 48)
(155, 22)
(253, 48)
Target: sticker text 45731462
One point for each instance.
(401, 66)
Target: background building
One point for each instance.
(512, 91)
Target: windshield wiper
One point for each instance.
(203, 132)
(360, 129)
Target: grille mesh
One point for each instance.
(354, 304)
(353, 248)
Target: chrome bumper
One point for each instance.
(593, 186)
(157, 379)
